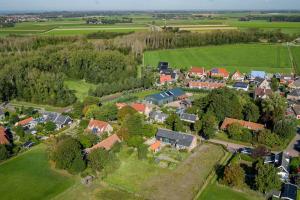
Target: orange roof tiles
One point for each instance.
(220, 72)
(249, 125)
(197, 70)
(155, 146)
(98, 124)
(165, 78)
(24, 122)
(139, 107)
(107, 143)
(3, 136)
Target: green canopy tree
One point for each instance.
(209, 125)
(234, 176)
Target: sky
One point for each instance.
(95, 5)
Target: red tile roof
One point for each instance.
(155, 146)
(139, 107)
(3, 136)
(107, 143)
(249, 125)
(197, 70)
(261, 92)
(24, 122)
(220, 72)
(165, 78)
(97, 124)
(211, 85)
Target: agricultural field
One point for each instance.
(30, 176)
(296, 56)
(243, 57)
(151, 181)
(215, 191)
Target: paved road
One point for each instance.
(232, 147)
(291, 149)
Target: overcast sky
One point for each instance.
(21, 5)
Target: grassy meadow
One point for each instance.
(244, 57)
(29, 176)
(80, 87)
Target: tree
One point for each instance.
(142, 152)
(92, 111)
(234, 176)
(268, 138)
(87, 140)
(209, 125)
(98, 158)
(107, 112)
(3, 152)
(198, 126)
(19, 130)
(77, 110)
(173, 122)
(260, 152)
(67, 155)
(135, 141)
(295, 164)
(251, 112)
(126, 110)
(286, 128)
(235, 131)
(50, 126)
(274, 84)
(273, 108)
(266, 178)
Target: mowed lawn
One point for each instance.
(244, 57)
(29, 176)
(80, 87)
(215, 191)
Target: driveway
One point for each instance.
(292, 147)
(232, 147)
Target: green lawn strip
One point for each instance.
(29, 176)
(296, 57)
(244, 57)
(20, 104)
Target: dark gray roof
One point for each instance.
(295, 92)
(289, 191)
(57, 118)
(240, 85)
(61, 119)
(175, 137)
(296, 109)
(283, 161)
(297, 83)
(188, 117)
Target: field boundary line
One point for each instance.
(291, 58)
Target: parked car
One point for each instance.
(246, 150)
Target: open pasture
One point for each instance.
(243, 57)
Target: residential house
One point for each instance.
(158, 116)
(190, 118)
(166, 97)
(249, 125)
(295, 84)
(207, 84)
(257, 74)
(219, 73)
(142, 108)
(265, 84)
(282, 162)
(165, 79)
(99, 127)
(241, 86)
(294, 95)
(286, 79)
(289, 192)
(28, 123)
(238, 76)
(4, 138)
(58, 119)
(156, 146)
(186, 103)
(262, 93)
(106, 144)
(176, 139)
(197, 72)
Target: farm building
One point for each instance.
(176, 139)
(249, 125)
(166, 96)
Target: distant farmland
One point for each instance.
(244, 57)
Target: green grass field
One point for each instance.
(244, 57)
(215, 191)
(296, 57)
(81, 87)
(29, 176)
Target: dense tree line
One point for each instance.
(274, 18)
